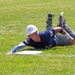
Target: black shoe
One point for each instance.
(61, 20)
(50, 16)
(49, 20)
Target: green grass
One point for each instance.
(15, 15)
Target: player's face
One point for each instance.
(34, 36)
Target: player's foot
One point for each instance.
(61, 20)
(50, 16)
(49, 20)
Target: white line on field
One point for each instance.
(58, 55)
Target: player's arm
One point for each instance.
(18, 47)
(62, 31)
(59, 30)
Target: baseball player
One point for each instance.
(48, 38)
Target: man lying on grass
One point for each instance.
(48, 38)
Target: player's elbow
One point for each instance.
(57, 30)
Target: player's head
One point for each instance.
(30, 29)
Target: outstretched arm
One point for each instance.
(62, 31)
(18, 47)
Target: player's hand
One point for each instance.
(8, 53)
(72, 41)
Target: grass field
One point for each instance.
(15, 15)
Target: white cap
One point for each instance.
(31, 29)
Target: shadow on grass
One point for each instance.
(47, 48)
(56, 48)
(39, 49)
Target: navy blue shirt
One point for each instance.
(47, 39)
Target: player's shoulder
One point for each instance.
(47, 33)
(44, 32)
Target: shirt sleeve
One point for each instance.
(28, 42)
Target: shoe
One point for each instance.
(50, 16)
(49, 20)
(61, 20)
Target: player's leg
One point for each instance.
(49, 21)
(62, 40)
(62, 23)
